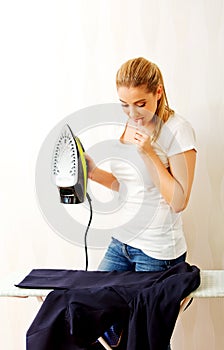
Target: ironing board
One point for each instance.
(8, 289)
(212, 286)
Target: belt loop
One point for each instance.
(125, 250)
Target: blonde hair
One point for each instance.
(141, 72)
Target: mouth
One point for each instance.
(136, 120)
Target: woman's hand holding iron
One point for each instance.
(101, 176)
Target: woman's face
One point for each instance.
(139, 104)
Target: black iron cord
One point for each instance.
(87, 229)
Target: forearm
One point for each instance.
(105, 178)
(171, 190)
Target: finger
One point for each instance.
(140, 136)
(137, 136)
(140, 123)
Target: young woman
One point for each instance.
(163, 145)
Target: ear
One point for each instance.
(159, 91)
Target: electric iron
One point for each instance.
(69, 168)
(70, 173)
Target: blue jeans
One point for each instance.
(122, 257)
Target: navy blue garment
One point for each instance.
(145, 303)
(76, 279)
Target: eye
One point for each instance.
(141, 104)
(124, 105)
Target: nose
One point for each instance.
(132, 112)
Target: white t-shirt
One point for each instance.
(150, 223)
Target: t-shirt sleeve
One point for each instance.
(183, 139)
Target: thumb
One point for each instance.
(142, 128)
(139, 124)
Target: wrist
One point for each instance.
(92, 174)
(148, 153)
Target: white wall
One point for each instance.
(60, 56)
